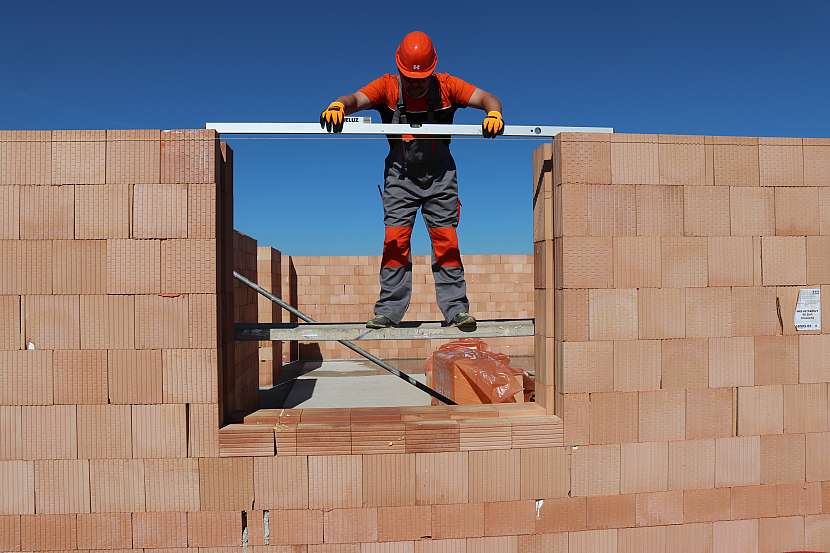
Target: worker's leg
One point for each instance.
(441, 210)
(400, 204)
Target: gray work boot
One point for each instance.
(464, 321)
(380, 321)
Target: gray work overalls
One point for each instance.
(420, 174)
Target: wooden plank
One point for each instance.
(414, 330)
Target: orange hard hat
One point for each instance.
(416, 56)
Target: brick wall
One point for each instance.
(694, 413)
(706, 447)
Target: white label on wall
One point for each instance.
(808, 309)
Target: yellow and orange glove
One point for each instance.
(493, 125)
(332, 117)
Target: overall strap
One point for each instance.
(400, 108)
(433, 99)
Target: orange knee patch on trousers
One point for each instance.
(396, 246)
(445, 246)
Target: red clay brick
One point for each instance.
(17, 479)
(47, 212)
(10, 533)
(102, 211)
(105, 531)
(483, 464)
(691, 464)
(463, 520)
(52, 322)
(78, 157)
(350, 525)
(160, 211)
(79, 266)
(753, 501)
(116, 485)
(595, 470)
(644, 467)
(62, 486)
(214, 529)
(159, 431)
(685, 363)
(133, 156)
(189, 375)
(404, 523)
(611, 511)
(389, 480)
(135, 376)
(442, 478)
(545, 472)
(161, 322)
(11, 432)
(80, 377)
(159, 530)
(133, 266)
(297, 527)
(281, 482)
(659, 508)
(48, 532)
(738, 461)
(172, 484)
(226, 484)
(188, 266)
(614, 417)
(662, 415)
(760, 410)
(335, 481)
(50, 432)
(104, 432)
(706, 505)
(107, 322)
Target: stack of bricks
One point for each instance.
(697, 414)
(345, 289)
(269, 276)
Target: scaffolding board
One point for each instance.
(408, 330)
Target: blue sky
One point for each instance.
(753, 68)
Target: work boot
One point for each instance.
(464, 321)
(380, 321)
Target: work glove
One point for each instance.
(332, 118)
(492, 125)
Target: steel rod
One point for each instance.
(360, 351)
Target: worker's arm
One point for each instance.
(485, 101)
(493, 124)
(355, 102)
(333, 116)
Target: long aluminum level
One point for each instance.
(359, 128)
(414, 330)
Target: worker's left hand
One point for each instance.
(332, 118)
(492, 125)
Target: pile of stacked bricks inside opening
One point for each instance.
(675, 408)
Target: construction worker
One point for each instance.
(419, 173)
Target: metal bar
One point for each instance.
(349, 128)
(322, 332)
(358, 350)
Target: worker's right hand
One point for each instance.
(332, 117)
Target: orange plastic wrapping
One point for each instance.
(465, 371)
